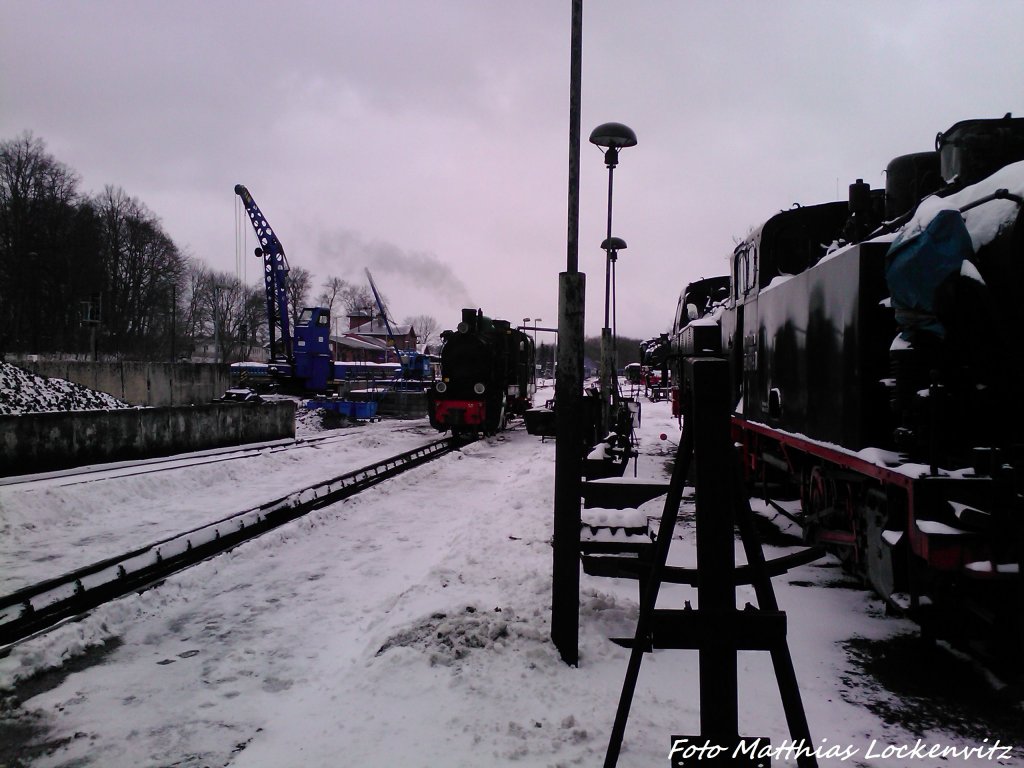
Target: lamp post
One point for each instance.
(609, 351)
(611, 137)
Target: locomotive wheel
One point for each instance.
(815, 500)
(876, 557)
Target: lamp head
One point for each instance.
(612, 137)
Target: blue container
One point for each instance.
(363, 410)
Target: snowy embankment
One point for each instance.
(54, 525)
(408, 626)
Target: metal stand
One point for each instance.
(717, 630)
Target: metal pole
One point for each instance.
(615, 331)
(174, 317)
(565, 574)
(216, 324)
(611, 156)
(575, 88)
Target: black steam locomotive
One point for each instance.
(487, 376)
(876, 377)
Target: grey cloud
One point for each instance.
(349, 252)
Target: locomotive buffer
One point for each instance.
(717, 630)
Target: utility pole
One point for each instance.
(565, 576)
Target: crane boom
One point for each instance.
(383, 311)
(275, 274)
(414, 365)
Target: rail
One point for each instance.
(38, 607)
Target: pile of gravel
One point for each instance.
(22, 391)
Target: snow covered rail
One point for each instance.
(38, 607)
(177, 461)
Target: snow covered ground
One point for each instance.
(408, 626)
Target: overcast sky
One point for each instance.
(428, 139)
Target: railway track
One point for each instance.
(90, 472)
(36, 608)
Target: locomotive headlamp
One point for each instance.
(479, 388)
(462, 327)
(441, 387)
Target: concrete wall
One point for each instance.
(40, 442)
(140, 383)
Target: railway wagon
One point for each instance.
(876, 380)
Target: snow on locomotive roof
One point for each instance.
(985, 221)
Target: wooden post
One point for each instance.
(716, 558)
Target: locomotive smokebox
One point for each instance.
(468, 321)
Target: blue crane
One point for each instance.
(414, 365)
(304, 361)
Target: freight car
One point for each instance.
(876, 379)
(487, 376)
(258, 376)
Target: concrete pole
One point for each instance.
(569, 416)
(565, 575)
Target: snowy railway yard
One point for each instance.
(409, 626)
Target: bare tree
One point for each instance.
(331, 296)
(426, 328)
(232, 314)
(141, 267)
(47, 256)
(358, 298)
(217, 305)
(298, 286)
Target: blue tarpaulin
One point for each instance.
(917, 266)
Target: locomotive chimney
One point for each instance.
(860, 198)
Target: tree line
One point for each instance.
(627, 351)
(97, 275)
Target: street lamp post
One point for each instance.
(611, 137)
(609, 356)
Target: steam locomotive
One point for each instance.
(487, 376)
(876, 378)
